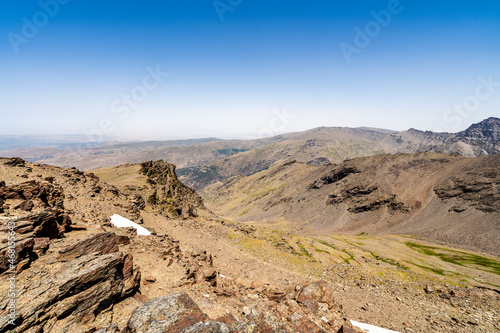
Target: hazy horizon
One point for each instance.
(241, 69)
(82, 138)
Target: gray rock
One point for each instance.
(166, 314)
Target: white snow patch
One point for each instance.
(370, 328)
(121, 222)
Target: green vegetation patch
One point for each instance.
(426, 268)
(303, 249)
(458, 257)
(326, 244)
(347, 260)
(292, 249)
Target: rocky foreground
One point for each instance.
(75, 272)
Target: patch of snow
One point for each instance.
(121, 222)
(370, 328)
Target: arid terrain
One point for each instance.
(297, 233)
(198, 272)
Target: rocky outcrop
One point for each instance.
(49, 224)
(474, 187)
(101, 243)
(34, 195)
(484, 137)
(14, 161)
(73, 295)
(333, 176)
(168, 194)
(179, 313)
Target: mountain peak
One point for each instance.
(488, 129)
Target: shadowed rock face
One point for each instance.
(474, 187)
(168, 194)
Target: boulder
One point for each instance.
(50, 223)
(319, 292)
(46, 225)
(167, 314)
(23, 254)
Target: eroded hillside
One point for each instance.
(447, 198)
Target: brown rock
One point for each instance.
(15, 161)
(101, 243)
(72, 296)
(50, 223)
(23, 251)
(307, 326)
(41, 244)
(312, 306)
(149, 279)
(210, 275)
(275, 295)
(26, 205)
(226, 319)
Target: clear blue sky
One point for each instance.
(232, 65)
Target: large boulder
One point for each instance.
(167, 314)
(315, 292)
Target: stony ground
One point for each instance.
(83, 275)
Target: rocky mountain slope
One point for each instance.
(205, 161)
(446, 197)
(338, 144)
(76, 273)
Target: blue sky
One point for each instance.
(235, 67)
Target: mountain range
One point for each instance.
(202, 162)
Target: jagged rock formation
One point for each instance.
(74, 294)
(168, 194)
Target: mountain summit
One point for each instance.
(488, 129)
